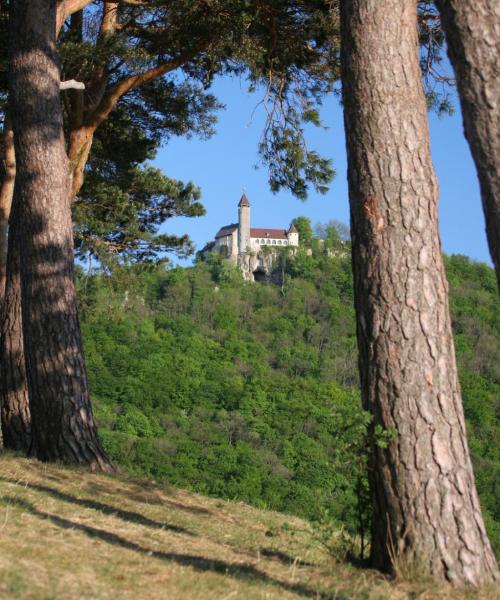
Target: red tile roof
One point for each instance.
(226, 230)
(279, 234)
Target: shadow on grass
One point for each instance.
(243, 572)
(284, 558)
(125, 515)
(144, 488)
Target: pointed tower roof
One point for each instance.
(293, 229)
(244, 201)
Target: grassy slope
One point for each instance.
(66, 533)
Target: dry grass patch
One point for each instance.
(67, 533)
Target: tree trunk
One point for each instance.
(6, 193)
(473, 39)
(16, 419)
(425, 504)
(63, 427)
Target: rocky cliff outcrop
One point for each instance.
(261, 266)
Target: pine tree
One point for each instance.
(473, 41)
(425, 504)
(62, 425)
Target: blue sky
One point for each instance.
(224, 167)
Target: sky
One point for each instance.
(225, 167)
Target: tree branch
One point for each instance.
(112, 96)
(66, 8)
(96, 88)
(109, 19)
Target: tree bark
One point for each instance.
(66, 8)
(63, 427)
(473, 39)
(425, 504)
(80, 143)
(16, 419)
(6, 193)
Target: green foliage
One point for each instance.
(124, 201)
(332, 535)
(292, 166)
(118, 219)
(383, 437)
(286, 50)
(474, 306)
(228, 388)
(250, 391)
(304, 227)
(437, 81)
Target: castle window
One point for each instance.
(256, 241)
(279, 242)
(262, 241)
(274, 241)
(285, 243)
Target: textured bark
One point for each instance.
(80, 143)
(6, 193)
(63, 427)
(472, 29)
(425, 504)
(16, 419)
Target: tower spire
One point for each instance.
(244, 200)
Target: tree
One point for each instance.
(62, 425)
(153, 62)
(6, 192)
(334, 234)
(123, 203)
(304, 227)
(137, 54)
(471, 28)
(8, 162)
(14, 398)
(425, 504)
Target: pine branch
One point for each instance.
(112, 96)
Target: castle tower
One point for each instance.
(293, 235)
(243, 224)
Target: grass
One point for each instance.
(66, 533)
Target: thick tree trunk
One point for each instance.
(16, 419)
(6, 193)
(63, 427)
(425, 505)
(473, 37)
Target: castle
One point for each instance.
(243, 244)
(240, 238)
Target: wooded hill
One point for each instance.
(248, 391)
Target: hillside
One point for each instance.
(250, 392)
(72, 534)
